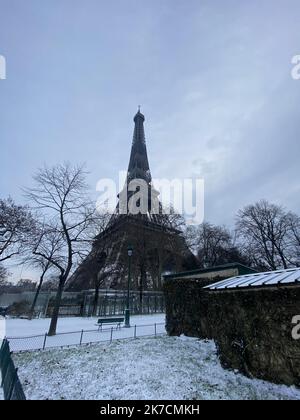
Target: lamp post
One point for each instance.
(127, 310)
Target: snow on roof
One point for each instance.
(279, 277)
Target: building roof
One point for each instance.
(272, 278)
(243, 269)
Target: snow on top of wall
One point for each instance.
(271, 278)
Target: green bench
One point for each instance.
(110, 321)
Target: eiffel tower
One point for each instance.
(158, 245)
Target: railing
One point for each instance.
(84, 337)
(11, 384)
(114, 303)
(110, 302)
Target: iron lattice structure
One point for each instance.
(158, 244)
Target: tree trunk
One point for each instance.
(96, 298)
(36, 297)
(53, 324)
(141, 287)
(160, 268)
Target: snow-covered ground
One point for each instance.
(149, 368)
(30, 335)
(22, 327)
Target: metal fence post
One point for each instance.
(105, 305)
(115, 302)
(135, 331)
(45, 339)
(3, 353)
(13, 382)
(12, 388)
(81, 336)
(111, 334)
(155, 330)
(47, 305)
(5, 365)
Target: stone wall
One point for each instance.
(252, 328)
(187, 307)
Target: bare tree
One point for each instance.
(214, 245)
(294, 223)
(3, 273)
(264, 230)
(49, 243)
(294, 238)
(16, 223)
(171, 219)
(44, 266)
(3, 277)
(26, 285)
(50, 284)
(60, 193)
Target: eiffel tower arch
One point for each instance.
(158, 246)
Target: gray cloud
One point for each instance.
(213, 78)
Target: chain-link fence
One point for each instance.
(75, 338)
(11, 384)
(85, 303)
(114, 303)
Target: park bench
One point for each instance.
(110, 321)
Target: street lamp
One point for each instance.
(127, 310)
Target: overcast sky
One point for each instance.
(213, 78)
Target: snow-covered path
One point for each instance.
(24, 327)
(150, 368)
(31, 335)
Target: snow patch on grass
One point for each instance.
(16, 327)
(153, 368)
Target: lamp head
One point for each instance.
(129, 251)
